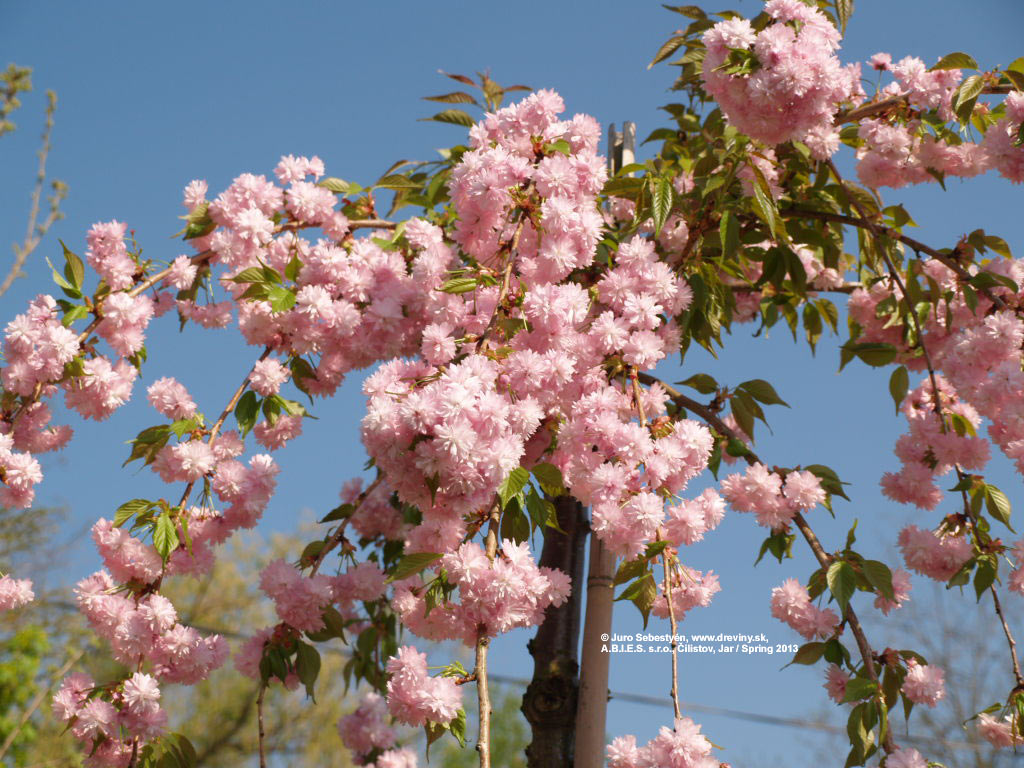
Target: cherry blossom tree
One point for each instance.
(514, 328)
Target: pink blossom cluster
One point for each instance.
(507, 155)
(414, 697)
(924, 683)
(797, 82)
(932, 447)
(1016, 579)
(835, 683)
(146, 630)
(375, 515)
(689, 519)
(792, 605)
(14, 593)
(19, 473)
(897, 152)
(366, 728)
(933, 555)
(682, 746)
(493, 597)
(299, 599)
(108, 254)
(690, 589)
(170, 398)
(108, 727)
(773, 498)
(901, 592)
(999, 732)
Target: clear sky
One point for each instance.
(154, 95)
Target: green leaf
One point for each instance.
(729, 233)
(455, 97)
(414, 563)
(966, 96)
(281, 299)
(165, 535)
(536, 508)
(338, 513)
(844, 10)
(702, 382)
(74, 269)
(997, 505)
(744, 417)
(453, 116)
(512, 485)
(809, 653)
(129, 509)
(514, 524)
(339, 186)
(985, 576)
(641, 593)
(667, 48)
(874, 354)
(955, 60)
(842, 583)
(550, 478)
(766, 207)
(458, 727)
(246, 411)
(398, 182)
(899, 384)
(307, 666)
(661, 201)
(762, 391)
(459, 285)
(561, 145)
(880, 577)
(859, 688)
(75, 313)
(629, 570)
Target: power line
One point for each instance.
(637, 698)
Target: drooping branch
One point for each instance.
(879, 229)
(937, 408)
(824, 559)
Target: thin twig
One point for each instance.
(259, 726)
(339, 534)
(34, 232)
(483, 693)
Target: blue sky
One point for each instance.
(152, 96)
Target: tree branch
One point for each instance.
(34, 232)
(878, 229)
(823, 558)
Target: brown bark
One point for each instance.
(549, 703)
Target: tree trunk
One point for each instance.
(550, 700)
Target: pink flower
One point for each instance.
(835, 683)
(171, 399)
(413, 696)
(924, 683)
(792, 605)
(15, 593)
